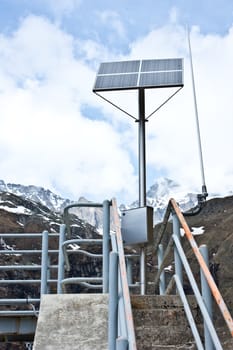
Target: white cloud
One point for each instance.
(112, 21)
(47, 138)
(61, 8)
(172, 141)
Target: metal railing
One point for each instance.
(44, 266)
(121, 325)
(102, 282)
(208, 284)
(115, 274)
(30, 274)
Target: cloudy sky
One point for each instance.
(57, 134)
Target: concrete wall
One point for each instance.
(72, 321)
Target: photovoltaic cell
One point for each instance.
(161, 65)
(139, 74)
(161, 79)
(119, 67)
(118, 81)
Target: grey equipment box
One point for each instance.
(137, 226)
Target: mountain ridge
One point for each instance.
(158, 196)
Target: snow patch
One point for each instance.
(18, 210)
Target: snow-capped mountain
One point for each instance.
(159, 194)
(157, 197)
(36, 194)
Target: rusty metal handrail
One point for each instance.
(213, 287)
(173, 206)
(123, 274)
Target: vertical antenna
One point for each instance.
(204, 189)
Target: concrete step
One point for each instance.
(160, 322)
(72, 321)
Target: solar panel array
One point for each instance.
(139, 74)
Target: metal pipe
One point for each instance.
(113, 301)
(44, 263)
(29, 251)
(129, 269)
(26, 235)
(19, 301)
(106, 241)
(162, 283)
(26, 281)
(178, 263)
(122, 343)
(60, 273)
(143, 270)
(77, 241)
(124, 285)
(160, 269)
(207, 298)
(142, 176)
(142, 147)
(19, 313)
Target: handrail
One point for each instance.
(123, 278)
(77, 205)
(180, 259)
(197, 293)
(213, 287)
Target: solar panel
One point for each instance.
(137, 74)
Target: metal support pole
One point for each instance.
(122, 344)
(60, 273)
(143, 270)
(162, 284)
(48, 274)
(178, 263)
(142, 177)
(207, 298)
(142, 147)
(113, 301)
(129, 270)
(44, 263)
(106, 241)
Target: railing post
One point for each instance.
(143, 270)
(162, 283)
(44, 263)
(207, 298)
(178, 263)
(129, 270)
(60, 274)
(122, 344)
(106, 241)
(113, 301)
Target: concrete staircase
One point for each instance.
(160, 323)
(72, 322)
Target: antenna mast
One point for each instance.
(204, 194)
